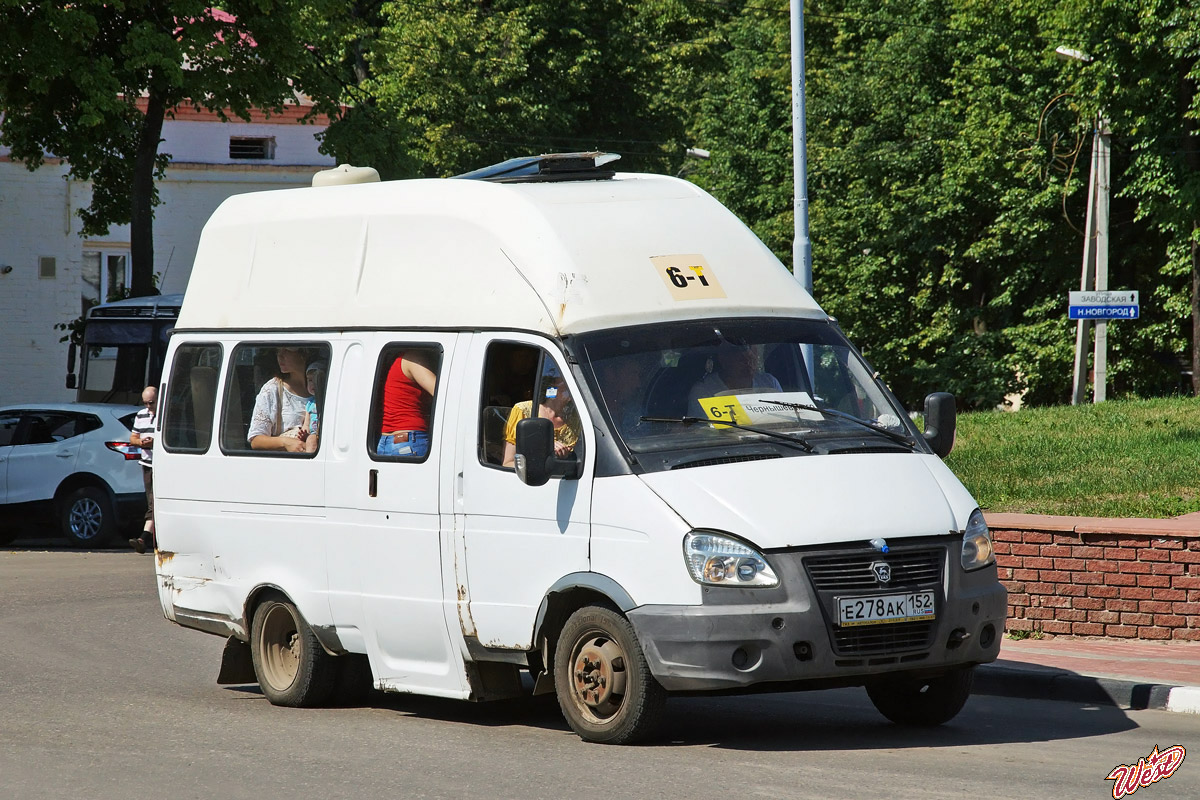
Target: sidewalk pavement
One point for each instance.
(1130, 673)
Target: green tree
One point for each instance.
(92, 82)
(891, 222)
(948, 155)
(1143, 77)
(460, 84)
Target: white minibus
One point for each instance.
(547, 427)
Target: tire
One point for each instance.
(925, 702)
(604, 687)
(291, 666)
(86, 517)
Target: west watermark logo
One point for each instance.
(1157, 766)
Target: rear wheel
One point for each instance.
(292, 667)
(922, 702)
(604, 686)
(86, 517)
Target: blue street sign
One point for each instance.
(1102, 312)
(1103, 305)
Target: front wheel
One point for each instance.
(292, 667)
(604, 686)
(86, 517)
(922, 702)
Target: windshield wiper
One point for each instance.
(833, 412)
(789, 438)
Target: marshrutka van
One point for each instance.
(567, 430)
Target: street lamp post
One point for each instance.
(1095, 268)
(801, 245)
(1094, 273)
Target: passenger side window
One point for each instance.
(519, 381)
(191, 398)
(274, 401)
(406, 384)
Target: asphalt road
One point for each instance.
(100, 697)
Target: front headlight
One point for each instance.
(977, 548)
(716, 560)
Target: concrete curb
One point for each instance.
(1048, 683)
(1185, 699)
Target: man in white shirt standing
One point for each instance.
(143, 437)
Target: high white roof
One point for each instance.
(558, 258)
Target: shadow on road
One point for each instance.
(119, 541)
(829, 720)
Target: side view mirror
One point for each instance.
(940, 422)
(535, 460)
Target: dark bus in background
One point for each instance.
(123, 346)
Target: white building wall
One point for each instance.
(37, 218)
(34, 222)
(208, 143)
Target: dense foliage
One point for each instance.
(948, 147)
(948, 158)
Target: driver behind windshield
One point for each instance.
(736, 370)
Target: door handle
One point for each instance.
(62, 455)
(373, 483)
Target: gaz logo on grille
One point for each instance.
(882, 570)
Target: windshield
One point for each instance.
(120, 358)
(777, 387)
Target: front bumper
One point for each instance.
(739, 638)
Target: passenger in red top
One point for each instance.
(407, 399)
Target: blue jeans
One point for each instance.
(417, 445)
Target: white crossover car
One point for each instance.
(69, 466)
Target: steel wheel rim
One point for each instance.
(279, 647)
(86, 518)
(598, 676)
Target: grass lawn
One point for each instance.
(1123, 458)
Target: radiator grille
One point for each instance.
(852, 571)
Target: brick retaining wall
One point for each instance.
(1088, 576)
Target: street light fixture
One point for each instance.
(1073, 54)
(698, 153)
(1095, 252)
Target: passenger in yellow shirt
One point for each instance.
(555, 406)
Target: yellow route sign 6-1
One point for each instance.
(688, 277)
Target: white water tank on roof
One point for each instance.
(344, 174)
